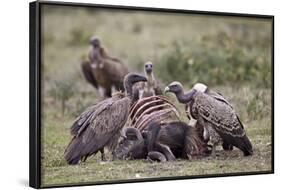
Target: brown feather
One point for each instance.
(97, 129)
(108, 71)
(223, 119)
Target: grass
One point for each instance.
(231, 55)
(56, 135)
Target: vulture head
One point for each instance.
(130, 79)
(174, 87)
(95, 42)
(177, 89)
(148, 67)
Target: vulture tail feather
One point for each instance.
(72, 152)
(76, 151)
(245, 145)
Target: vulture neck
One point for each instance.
(185, 98)
(150, 80)
(128, 89)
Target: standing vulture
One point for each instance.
(99, 126)
(206, 134)
(149, 88)
(103, 71)
(215, 115)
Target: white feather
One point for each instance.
(200, 87)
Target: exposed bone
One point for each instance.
(144, 107)
(152, 109)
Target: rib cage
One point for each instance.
(152, 109)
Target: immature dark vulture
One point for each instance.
(214, 114)
(99, 126)
(102, 70)
(149, 88)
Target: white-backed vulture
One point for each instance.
(103, 71)
(99, 126)
(214, 114)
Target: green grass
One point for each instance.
(231, 55)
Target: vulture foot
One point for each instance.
(103, 158)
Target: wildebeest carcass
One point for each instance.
(160, 142)
(152, 109)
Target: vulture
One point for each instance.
(99, 126)
(149, 88)
(208, 133)
(216, 115)
(103, 71)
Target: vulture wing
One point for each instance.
(115, 71)
(98, 127)
(116, 68)
(218, 96)
(83, 120)
(224, 120)
(88, 74)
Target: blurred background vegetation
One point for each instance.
(231, 55)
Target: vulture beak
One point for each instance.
(95, 42)
(148, 69)
(167, 89)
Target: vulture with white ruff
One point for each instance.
(216, 115)
(208, 133)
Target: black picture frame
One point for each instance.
(35, 90)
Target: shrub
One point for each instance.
(216, 60)
(79, 37)
(62, 91)
(259, 106)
